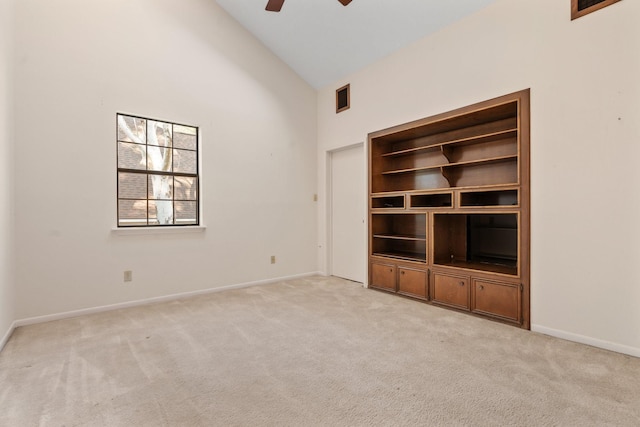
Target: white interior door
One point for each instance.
(347, 210)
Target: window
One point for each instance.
(583, 7)
(157, 173)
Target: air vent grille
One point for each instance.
(581, 8)
(584, 4)
(343, 98)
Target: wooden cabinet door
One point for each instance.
(497, 299)
(412, 282)
(383, 276)
(450, 290)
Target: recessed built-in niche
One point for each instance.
(487, 242)
(387, 202)
(584, 7)
(489, 198)
(437, 200)
(400, 236)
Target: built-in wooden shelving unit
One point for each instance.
(449, 209)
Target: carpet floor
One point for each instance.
(307, 352)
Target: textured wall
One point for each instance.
(80, 62)
(585, 106)
(7, 289)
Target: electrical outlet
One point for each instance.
(128, 275)
(273, 259)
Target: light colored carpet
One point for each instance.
(314, 351)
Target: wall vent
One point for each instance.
(343, 98)
(583, 7)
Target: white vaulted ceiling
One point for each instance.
(324, 41)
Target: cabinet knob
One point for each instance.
(461, 283)
(391, 270)
(482, 287)
(402, 272)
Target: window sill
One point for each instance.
(136, 231)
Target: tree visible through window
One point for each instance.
(157, 172)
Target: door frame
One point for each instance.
(329, 208)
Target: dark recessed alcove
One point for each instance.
(343, 98)
(583, 7)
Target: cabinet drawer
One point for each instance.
(412, 282)
(450, 290)
(497, 299)
(383, 276)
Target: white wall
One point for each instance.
(79, 62)
(585, 115)
(7, 301)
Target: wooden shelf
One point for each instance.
(405, 256)
(439, 190)
(450, 165)
(497, 228)
(481, 266)
(399, 237)
(462, 141)
(450, 194)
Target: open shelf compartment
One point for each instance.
(486, 242)
(387, 202)
(400, 236)
(489, 198)
(495, 122)
(435, 200)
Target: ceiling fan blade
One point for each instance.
(345, 2)
(275, 5)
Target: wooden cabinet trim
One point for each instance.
(383, 276)
(411, 275)
(452, 290)
(575, 13)
(499, 305)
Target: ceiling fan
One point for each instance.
(276, 5)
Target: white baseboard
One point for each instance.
(594, 342)
(607, 345)
(5, 338)
(85, 311)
